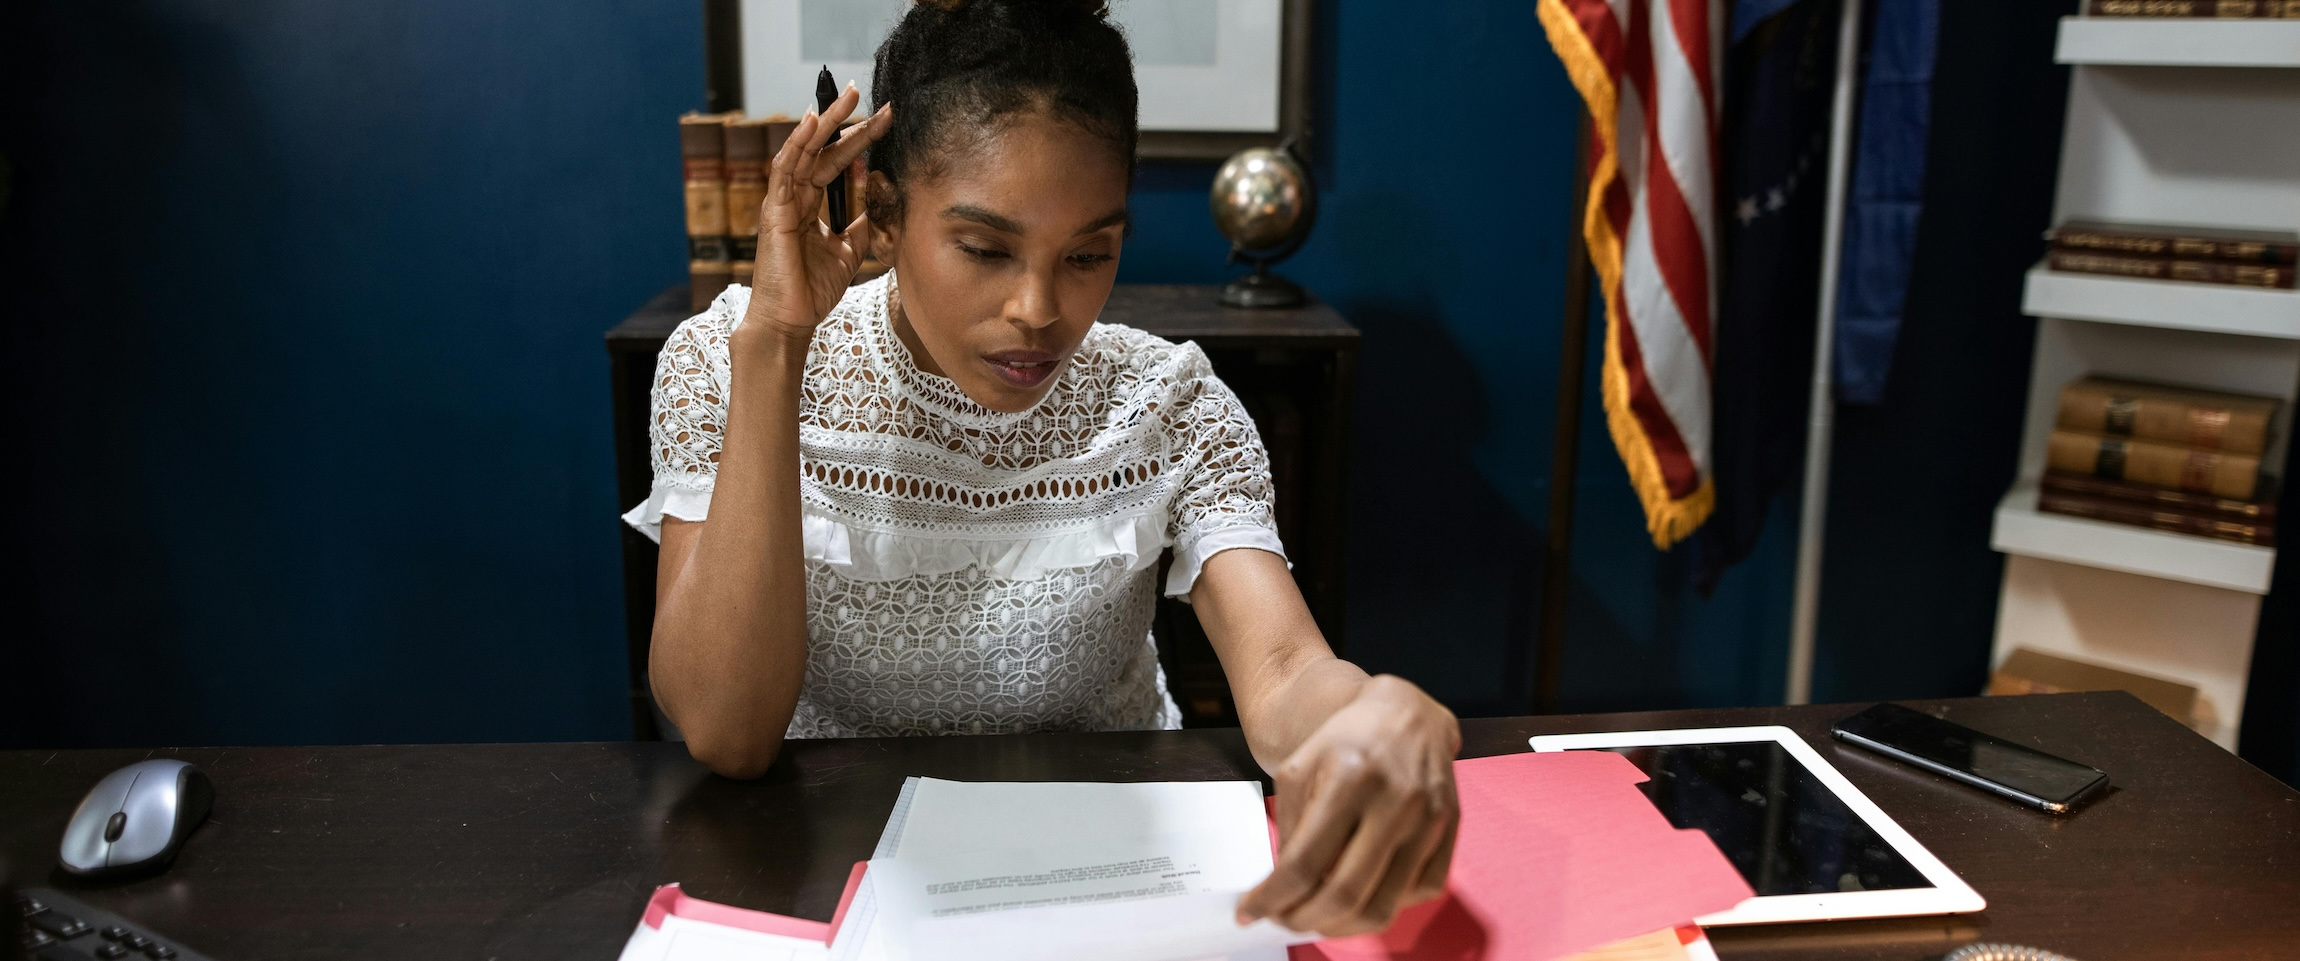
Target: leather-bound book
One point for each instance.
(751, 147)
(2179, 242)
(746, 188)
(2026, 671)
(2165, 268)
(2261, 510)
(2231, 476)
(2174, 415)
(747, 184)
(702, 161)
(779, 127)
(2140, 515)
(2177, 8)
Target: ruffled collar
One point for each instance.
(933, 392)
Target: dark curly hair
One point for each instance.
(954, 68)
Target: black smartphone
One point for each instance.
(1990, 763)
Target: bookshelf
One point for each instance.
(2249, 311)
(2168, 121)
(2152, 42)
(2023, 530)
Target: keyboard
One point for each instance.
(58, 928)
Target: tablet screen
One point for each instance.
(1780, 826)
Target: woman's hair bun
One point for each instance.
(1091, 8)
(953, 68)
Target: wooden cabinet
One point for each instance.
(1294, 369)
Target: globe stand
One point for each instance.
(1264, 200)
(1262, 289)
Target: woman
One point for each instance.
(935, 502)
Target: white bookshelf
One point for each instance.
(2156, 42)
(2172, 630)
(2022, 529)
(2178, 122)
(2220, 308)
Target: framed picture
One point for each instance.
(1216, 76)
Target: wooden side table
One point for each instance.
(1294, 369)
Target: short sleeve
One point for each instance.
(1225, 499)
(686, 414)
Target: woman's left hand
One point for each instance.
(1366, 815)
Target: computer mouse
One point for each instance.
(135, 820)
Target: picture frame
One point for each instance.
(753, 49)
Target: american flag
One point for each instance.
(1646, 70)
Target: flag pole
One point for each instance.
(1565, 443)
(1820, 412)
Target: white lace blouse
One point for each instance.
(970, 571)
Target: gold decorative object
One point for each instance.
(1264, 201)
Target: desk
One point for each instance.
(549, 850)
(1293, 368)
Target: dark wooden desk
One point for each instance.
(1295, 370)
(549, 850)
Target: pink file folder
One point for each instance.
(670, 901)
(1558, 853)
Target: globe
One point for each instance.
(1264, 202)
(1258, 199)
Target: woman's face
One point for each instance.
(1004, 260)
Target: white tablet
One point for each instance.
(1810, 843)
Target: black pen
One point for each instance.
(827, 90)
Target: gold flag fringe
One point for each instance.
(1668, 519)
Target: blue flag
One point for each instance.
(1780, 76)
(1887, 193)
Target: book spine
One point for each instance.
(2103, 410)
(779, 129)
(2086, 485)
(2161, 268)
(703, 168)
(743, 207)
(2230, 476)
(746, 190)
(2175, 8)
(2122, 512)
(2177, 247)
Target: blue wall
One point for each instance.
(307, 300)
(1444, 150)
(305, 303)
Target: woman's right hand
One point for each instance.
(729, 649)
(803, 268)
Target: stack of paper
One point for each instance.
(1558, 854)
(1020, 871)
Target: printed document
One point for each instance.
(1018, 871)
